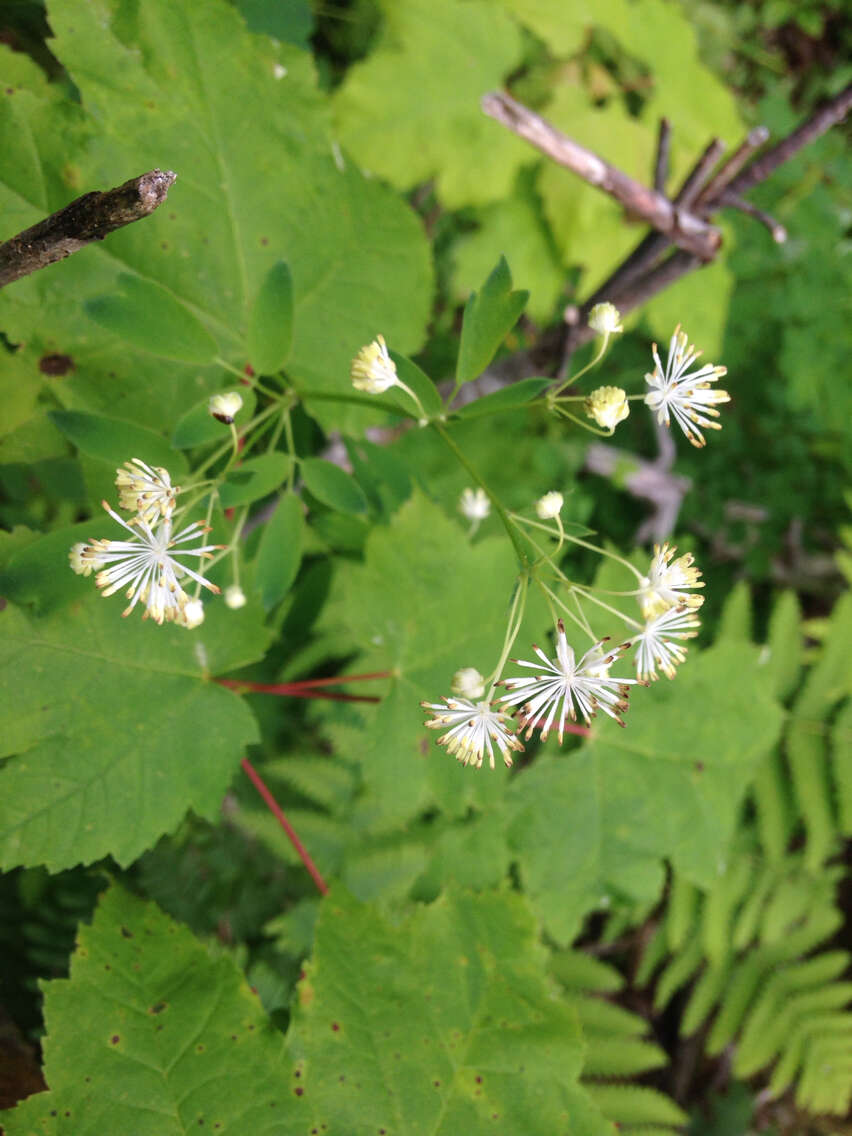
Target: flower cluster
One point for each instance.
(668, 608)
(146, 566)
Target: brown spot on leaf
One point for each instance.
(56, 365)
(126, 934)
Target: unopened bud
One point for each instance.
(235, 597)
(225, 407)
(468, 683)
(549, 506)
(605, 319)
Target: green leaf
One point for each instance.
(257, 184)
(104, 720)
(439, 60)
(509, 398)
(270, 329)
(515, 223)
(150, 319)
(419, 382)
(280, 552)
(39, 573)
(198, 425)
(332, 485)
(599, 822)
(255, 478)
(150, 1035)
(438, 1025)
(111, 440)
(488, 316)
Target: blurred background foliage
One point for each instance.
(768, 512)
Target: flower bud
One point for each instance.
(474, 504)
(468, 683)
(235, 597)
(608, 406)
(605, 319)
(225, 407)
(549, 506)
(192, 614)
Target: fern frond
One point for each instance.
(622, 1056)
(634, 1105)
(679, 971)
(577, 970)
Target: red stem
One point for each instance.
(339, 680)
(293, 690)
(275, 809)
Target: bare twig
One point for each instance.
(684, 229)
(730, 201)
(88, 218)
(698, 175)
(661, 162)
(746, 149)
(833, 112)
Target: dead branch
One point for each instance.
(677, 243)
(86, 219)
(683, 228)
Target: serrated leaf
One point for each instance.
(255, 478)
(439, 60)
(104, 720)
(114, 441)
(280, 552)
(150, 1035)
(150, 319)
(669, 785)
(517, 394)
(489, 316)
(257, 184)
(270, 328)
(438, 1025)
(332, 485)
(198, 425)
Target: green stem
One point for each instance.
(510, 528)
(516, 618)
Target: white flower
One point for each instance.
(468, 683)
(225, 407)
(146, 567)
(655, 646)
(608, 406)
(474, 504)
(474, 727)
(549, 506)
(373, 370)
(605, 319)
(235, 597)
(687, 396)
(582, 686)
(145, 490)
(666, 583)
(191, 615)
